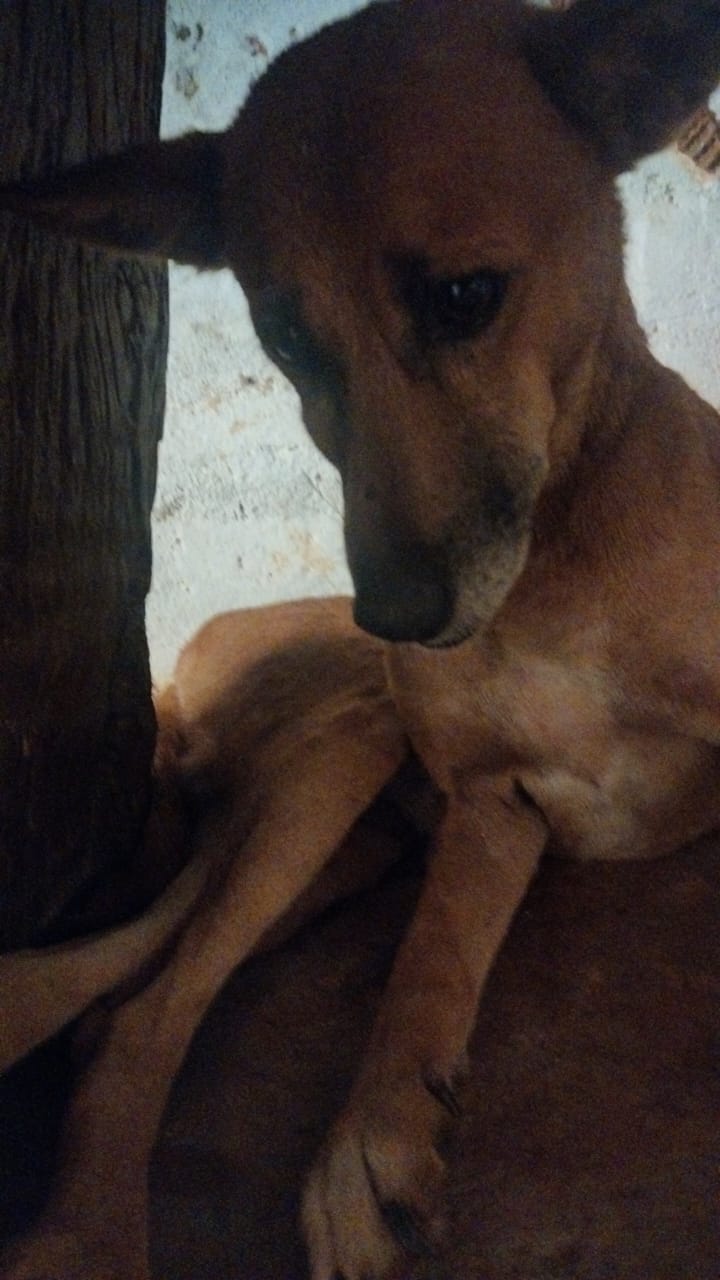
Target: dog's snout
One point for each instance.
(402, 600)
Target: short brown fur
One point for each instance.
(532, 516)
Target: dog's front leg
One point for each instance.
(371, 1194)
(95, 1227)
(42, 990)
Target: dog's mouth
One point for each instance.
(473, 599)
(450, 629)
(436, 598)
(451, 638)
(441, 619)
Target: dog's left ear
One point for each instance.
(160, 200)
(627, 73)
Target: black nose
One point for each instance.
(402, 597)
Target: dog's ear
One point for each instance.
(627, 73)
(160, 200)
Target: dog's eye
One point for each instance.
(462, 307)
(289, 343)
(286, 344)
(293, 348)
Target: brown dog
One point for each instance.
(419, 203)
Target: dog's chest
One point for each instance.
(609, 785)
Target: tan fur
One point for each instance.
(537, 505)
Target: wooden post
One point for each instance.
(82, 364)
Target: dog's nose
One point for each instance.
(401, 602)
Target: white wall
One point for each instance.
(246, 510)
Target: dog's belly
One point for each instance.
(608, 785)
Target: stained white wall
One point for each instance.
(246, 510)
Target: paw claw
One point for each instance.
(370, 1199)
(443, 1092)
(405, 1226)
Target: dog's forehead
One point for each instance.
(415, 127)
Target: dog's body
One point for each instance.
(419, 203)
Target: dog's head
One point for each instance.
(419, 204)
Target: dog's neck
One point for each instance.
(639, 432)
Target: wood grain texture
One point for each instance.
(82, 362)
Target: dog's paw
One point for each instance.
(371, 1200)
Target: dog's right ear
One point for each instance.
(626, 73)
(159, 200)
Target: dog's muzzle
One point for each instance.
(405, 598)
